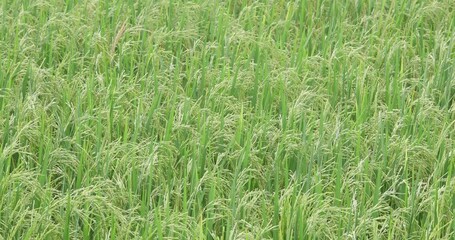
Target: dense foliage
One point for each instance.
(240, 119)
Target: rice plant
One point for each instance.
(236, 119)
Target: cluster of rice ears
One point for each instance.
(236, 119)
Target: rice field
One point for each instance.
(227, 119)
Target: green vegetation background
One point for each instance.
(304, 119)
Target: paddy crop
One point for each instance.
(238, 119)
